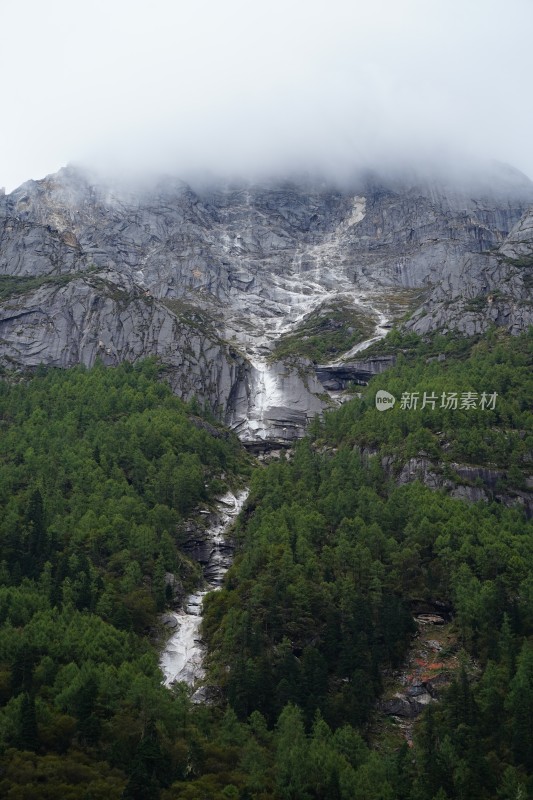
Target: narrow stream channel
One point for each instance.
(182, 656)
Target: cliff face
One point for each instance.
(102, 315)
(484, 289)
(208, 279)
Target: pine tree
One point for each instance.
(520, 705)
(27, 738)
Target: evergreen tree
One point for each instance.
(27, 738)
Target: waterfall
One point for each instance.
(182, 656)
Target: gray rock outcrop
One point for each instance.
(207, 278)
(471, 483)
(407, 705)
(484, 289)
(335, 377)
(103, 315)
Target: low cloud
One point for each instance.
(235, 87)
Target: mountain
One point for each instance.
(241, 288)
(378, 615)
(484, 289)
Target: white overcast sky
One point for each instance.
(230, 84)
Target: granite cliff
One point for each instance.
(211, 278)
(494, 287)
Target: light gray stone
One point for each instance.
(206, 278)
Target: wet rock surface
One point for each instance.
(182, 656)
(336, 377)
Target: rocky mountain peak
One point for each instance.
(240, 286)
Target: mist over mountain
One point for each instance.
(266, 328)
(232, 87)
(256, 294)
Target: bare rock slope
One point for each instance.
(209, 278)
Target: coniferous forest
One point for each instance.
(99, 471)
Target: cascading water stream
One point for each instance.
(278, 404)
(182, 656)
(382, 329)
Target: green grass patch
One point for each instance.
(190, 314)
(331, 331)
(522, 261)
(11, 285)
(15, 285)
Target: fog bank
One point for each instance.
(238, 87)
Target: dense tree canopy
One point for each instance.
(334, 552)
(98, 471)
